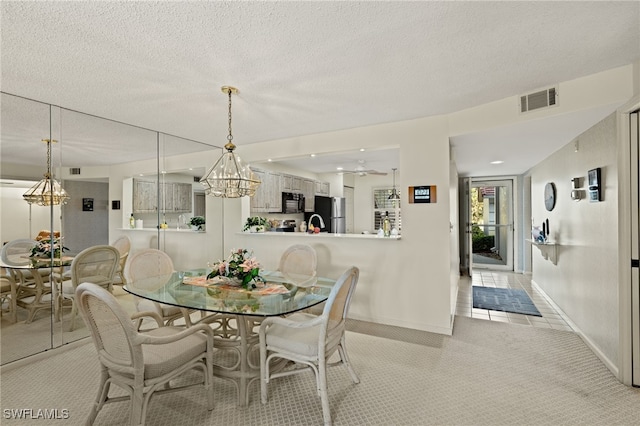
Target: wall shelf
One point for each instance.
(548, 250)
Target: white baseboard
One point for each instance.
(44, 355)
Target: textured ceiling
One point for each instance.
(301, 67)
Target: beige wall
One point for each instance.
(584, 283)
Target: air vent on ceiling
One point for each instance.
(74, 170)
(542, 99)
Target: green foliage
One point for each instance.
(481, 243)
(197, 221)
(255, 221)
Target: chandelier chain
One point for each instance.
(48, 157)
(230, 137)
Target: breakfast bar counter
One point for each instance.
(319, 235)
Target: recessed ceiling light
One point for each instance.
(313, 155)
(339, 168)
(269, 160)
(361, 149)
(497, 162)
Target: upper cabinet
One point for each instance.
(145, 196)
(322, 188)
(176, 197)
(292, 183)
(268, 197)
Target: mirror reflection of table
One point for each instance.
(233, 313)
(34, 297)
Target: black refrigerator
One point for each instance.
(332, 212)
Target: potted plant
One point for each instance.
(197, 223)
(256, 224)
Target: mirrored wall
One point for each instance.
(123, 181)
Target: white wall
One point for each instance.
(584, 283)
(18, 219)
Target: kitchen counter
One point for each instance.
(321, 235)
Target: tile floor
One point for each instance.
(487, 278)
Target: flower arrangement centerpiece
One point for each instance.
(46, 246)
(241, 266)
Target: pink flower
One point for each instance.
(222, 268)
(249, 264)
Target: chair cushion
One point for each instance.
(145, 305)
(303, 341)
(68, 289)
(162, 359)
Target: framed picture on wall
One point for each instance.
(87, 204)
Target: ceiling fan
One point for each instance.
(361, 170)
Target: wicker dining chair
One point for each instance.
(16, 252)
(143, 364)
(96, 265)
(123, 245)
(310, 340)
(298, 265)
(148, 263)
(8, 291)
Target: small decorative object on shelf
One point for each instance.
(197, 223)
(386, 225)
(44, 247)
(240, 267)
(256, 224)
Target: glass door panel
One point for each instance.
(492, 224)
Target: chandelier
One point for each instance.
(48, 191)
(394, 192)
(229, 178)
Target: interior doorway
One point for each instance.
(490, 228)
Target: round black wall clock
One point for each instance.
(550, 196)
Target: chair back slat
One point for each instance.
(337, 305)
(95, 264)
(111, 329)
(298, 264)
(147, 263)
(16, 252)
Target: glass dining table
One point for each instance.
(233, 312)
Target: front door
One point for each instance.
(491, 224)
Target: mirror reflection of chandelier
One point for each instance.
(229, 178)
(48, 191)
(394, 192)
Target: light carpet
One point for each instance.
(487, 373)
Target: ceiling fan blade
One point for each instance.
(365, 172)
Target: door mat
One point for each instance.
(512, 300)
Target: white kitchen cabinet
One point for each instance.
(268, 197)
(309, 192)
(177, 197)
(145, 196)
(322, 188)
(291, 183)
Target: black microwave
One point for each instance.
(292, 203)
